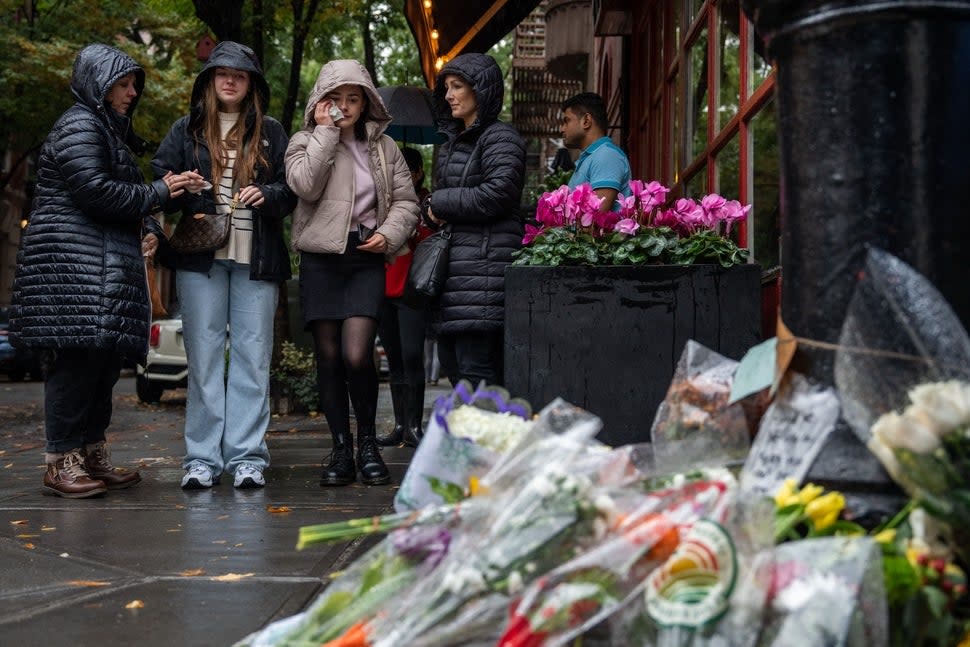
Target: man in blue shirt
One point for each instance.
(602, 163)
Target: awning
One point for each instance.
(444, 29)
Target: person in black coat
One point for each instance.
(232, 153)
(478, 183)
(80, 295)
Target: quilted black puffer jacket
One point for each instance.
(80, 280)
(478, 186)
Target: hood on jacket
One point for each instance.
(342, 72)
(96, 69)
(485, 77)
(238, 57)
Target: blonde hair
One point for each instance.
(251, 155)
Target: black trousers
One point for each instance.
(473, 356)
(77, 397)
(402, 333)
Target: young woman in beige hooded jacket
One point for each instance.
(356, 208)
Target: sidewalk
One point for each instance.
(156, 565)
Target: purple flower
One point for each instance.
(422, 543)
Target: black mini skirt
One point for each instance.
(339, 286)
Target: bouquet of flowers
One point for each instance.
(571, 229)
(468, 431)
(642, 533)
(926, 449)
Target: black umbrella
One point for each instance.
(412, 118)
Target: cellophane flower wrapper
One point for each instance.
(643, 530)
(827, 592)
(695, 425)
(917, 363)
(451, 455)
(711, 592)
(384, 571)
(535, 524)
(914, 333)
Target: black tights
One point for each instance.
(345, 366)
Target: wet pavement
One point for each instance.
(156, 565)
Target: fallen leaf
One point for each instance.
(29, 546)
(222, 516)
(19, 522)
(88, 583)
(8, 466)
(48, 528)
(230, 577)
(135, 604)
(27, 536)
(278, 509)
(219, 541)
(193, 572)
(239, 545)
(174, 530)
(64, 555)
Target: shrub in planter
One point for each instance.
(295, 378)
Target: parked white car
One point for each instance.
(166, 366)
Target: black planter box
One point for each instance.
(608, 338)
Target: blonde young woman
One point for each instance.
(232, 153)
(356, 208)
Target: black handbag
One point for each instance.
(203, 232)
(429, 269)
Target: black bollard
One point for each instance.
(872, 100)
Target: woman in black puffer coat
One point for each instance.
(478, 186)
(80, 296)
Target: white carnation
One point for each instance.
(499, 432)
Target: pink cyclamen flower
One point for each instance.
(605, 220)
(653, 195)
(626, 226)
(531, 232)
(689, 214)
(551, 209)
(582, 205)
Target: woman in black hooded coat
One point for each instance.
(80, 296)
(478, 183)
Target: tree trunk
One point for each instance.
(301, 28)
(259, 27)
(224, 17)
(368, 38)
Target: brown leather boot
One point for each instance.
(67, 477)
(97, 461)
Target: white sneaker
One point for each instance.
(197, 477)
(248, 476)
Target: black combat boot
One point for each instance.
(373, 471)
(399, 401)
(341, 469)
(415, 429)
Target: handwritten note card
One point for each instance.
(791, 435)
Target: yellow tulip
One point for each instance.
(887, 536)
(824, 510)
(809, 493)
(787, 493)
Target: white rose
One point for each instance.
(948, 403)
(895, 430)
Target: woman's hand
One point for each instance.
(251, 196)
(176, 183)
(195, 182)
(149, 245)
(376, 244)
(321, 113)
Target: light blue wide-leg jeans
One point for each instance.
(226, 415)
